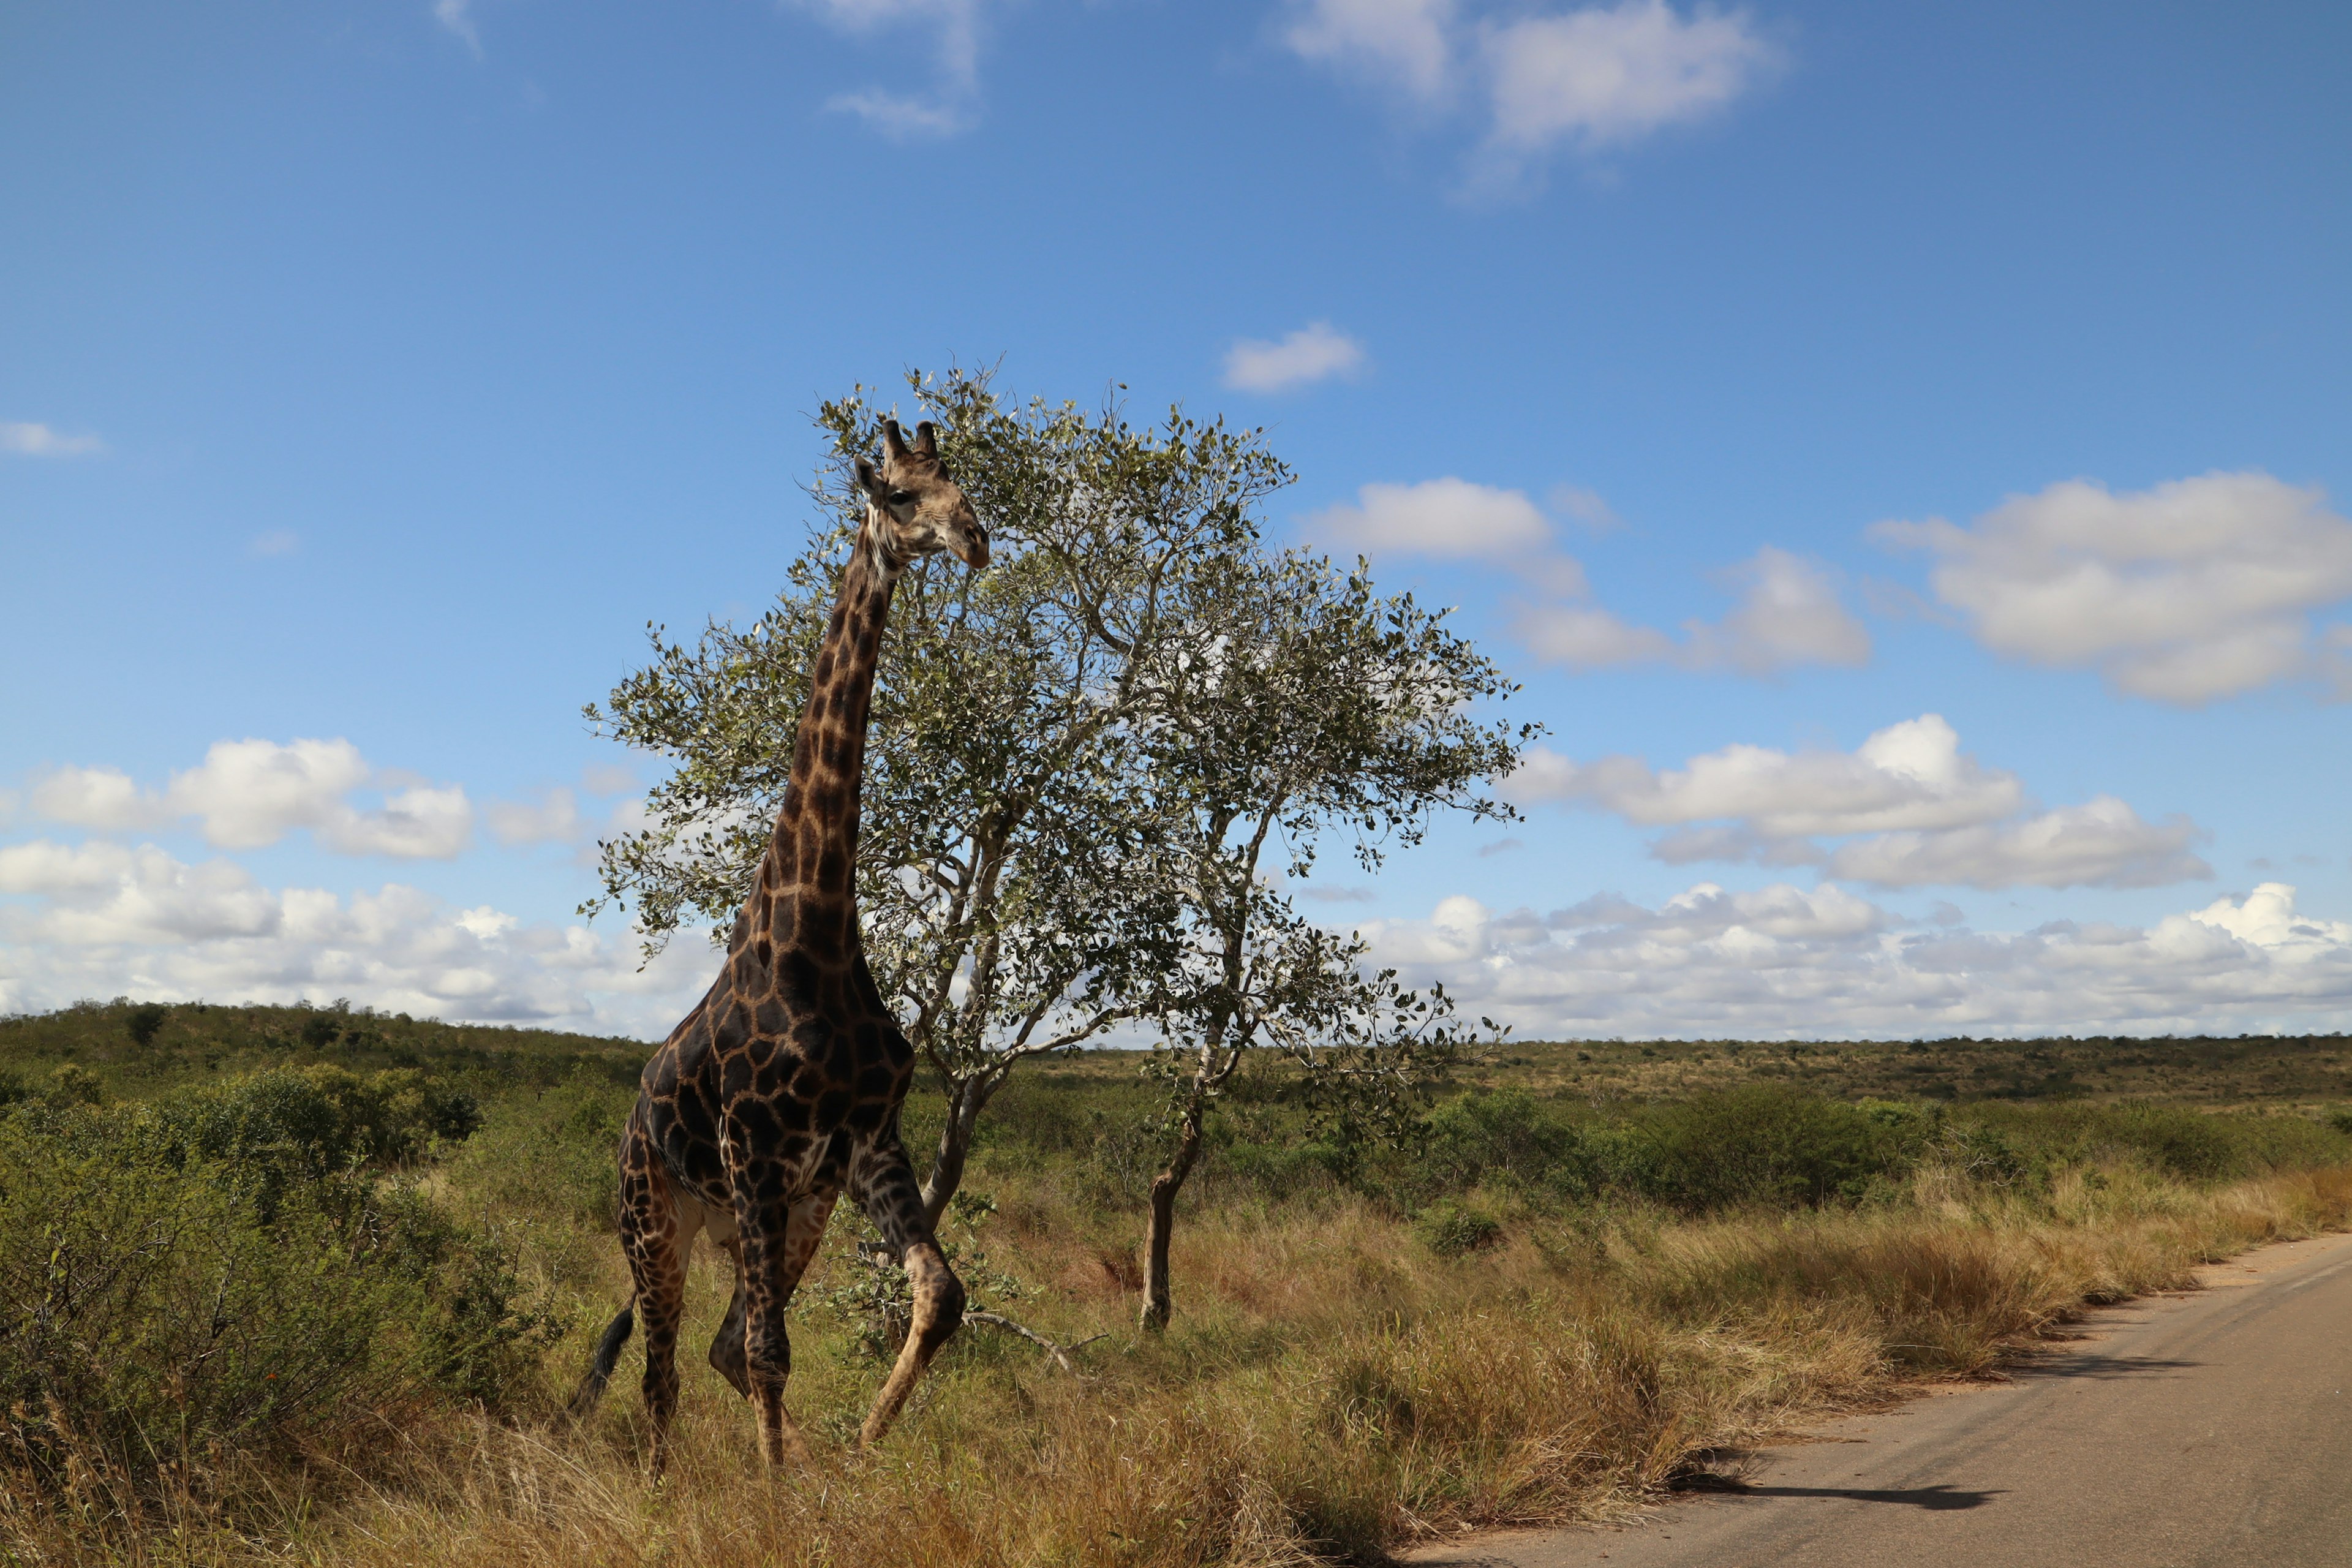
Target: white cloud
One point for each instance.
(1782, 961)
(1585, 636)
(248, 794)
(1907, 776)
(277, 541)
(1914, 810)
(554, 818)
(1592, 78)
(414, 824)
(2193, 590)
(953, 27)
(1447, 518)
(1403, 42)
(607, 778)
(1789, 615)
(1606, 74)
(105, 893)
(1585, 505)
(456, 15)
(1315, 352)
(2100, 843)
(104, 919)
(903, 117)
(28, 441)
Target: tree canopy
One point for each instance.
(1087, 764)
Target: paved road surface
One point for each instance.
(2208, 1430)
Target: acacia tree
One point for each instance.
(1317, 712)
(1078, 762)
(1000, 823)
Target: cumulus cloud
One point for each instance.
(2100, 843)
(1315, 352)
(1610, 74)
(1912, 808)
(1788, 612)
(2193, 590)
(553, 818)
(456, 16)
(103, 920)
(1789, 615)
(1403, 42)
(31, 440)
(1447, 518)
(250, 793)
(953, 29)
(1784, 961)
(1590, 77)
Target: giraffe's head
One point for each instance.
(917, 510)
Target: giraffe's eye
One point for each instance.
(902, 498)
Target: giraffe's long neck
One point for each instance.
(806, 896)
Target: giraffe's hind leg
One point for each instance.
(885, 1182)
(656, 1238)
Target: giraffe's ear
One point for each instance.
(869, 479)
(926, 439)
(893, 444)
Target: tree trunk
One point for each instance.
(1162, 1222)
(965, 1098)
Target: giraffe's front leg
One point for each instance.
(774, 1243)
(885, 1182)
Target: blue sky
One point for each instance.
(1757, 381)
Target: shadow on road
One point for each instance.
(2091, 1364)
(1936, 1499)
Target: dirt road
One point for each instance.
(2209, 1429)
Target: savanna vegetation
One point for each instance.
(315, 1285)
(322, 1299)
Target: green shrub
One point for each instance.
(143, 1022)
(151, 1308)
(296, 1124)
(2195, 1145)
(1763, 1144)
(1450, 1229)
(1507, 1137)
(73, 1085)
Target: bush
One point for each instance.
(151, 1309)
(1764, 1145)
(1450, 1229)
(143, 1022)
(298, 1125)
(2194, 1145)
(73, 1085)
(1509, 1138)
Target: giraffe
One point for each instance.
(782, 1088)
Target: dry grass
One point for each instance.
(1331, 1388)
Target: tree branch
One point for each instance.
(1060, 1353)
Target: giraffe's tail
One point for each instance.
(600, 1370)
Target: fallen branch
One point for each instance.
(1060, 1354)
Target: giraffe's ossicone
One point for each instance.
(781, 1090)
